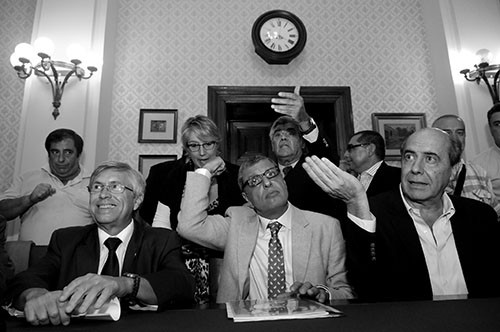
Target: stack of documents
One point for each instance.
(291, 308)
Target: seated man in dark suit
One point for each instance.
(115, 257)
(427, 244)
(364, 156)
(293, 137)
(307, 248)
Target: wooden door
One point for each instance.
(244, 116)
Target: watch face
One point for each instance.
(279, 34)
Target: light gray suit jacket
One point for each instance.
(318, 246)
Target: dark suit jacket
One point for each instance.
(305, 194)
(165, 184)
(397, 270)
(152, 253)
(6, 265)
(386, 178)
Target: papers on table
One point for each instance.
(291, 308)
(110, 311)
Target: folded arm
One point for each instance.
(194, 222)
(12, 208)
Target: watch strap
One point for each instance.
(312, 126)
(132, 297)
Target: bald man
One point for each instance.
(427, 244)
(467, 179)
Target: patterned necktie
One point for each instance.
(276, 265)
(286, 170)
(112, 267)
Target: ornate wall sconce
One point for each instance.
(28, 59)
(487, 72)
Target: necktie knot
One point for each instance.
(274, 227)
(112, 243)
(286, 170)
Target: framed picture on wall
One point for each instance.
(394, 128)
(148, 160)
(157, 126)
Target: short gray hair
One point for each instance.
(136, 178)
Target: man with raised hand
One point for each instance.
(427, 244)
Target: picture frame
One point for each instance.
(394, 128)
(148, 160)
(158, 126)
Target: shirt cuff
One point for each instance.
(313, 135)
(327, 290)
(368, 225)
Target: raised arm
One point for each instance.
(194, 222)
(339, 184)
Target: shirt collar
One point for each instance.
(83, 174)
(372, 170)
(448, 208)
(124, 235)
(285, 219)
(292, 164)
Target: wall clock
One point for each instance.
(278, 36)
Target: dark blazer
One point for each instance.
(386, 178)
(395, 269)
(165, 184)
(152, 253)
(305, 194)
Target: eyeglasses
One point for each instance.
(113, 187)
(255, 180)
(195, 147)
(353, 146)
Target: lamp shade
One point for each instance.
(44, 45)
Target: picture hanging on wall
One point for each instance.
(148, 160)
(157, 126)
(394, 128)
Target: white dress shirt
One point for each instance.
(438, 246)
(259, 260)
(125, 235)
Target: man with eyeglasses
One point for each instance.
(312, 255)
(364, 156)
(117, 256)
(293, 136)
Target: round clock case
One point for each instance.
(278, 36)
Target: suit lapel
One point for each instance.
(87, 254)
(301, 244)
(247, 239)
(405, 228)
(133, 247)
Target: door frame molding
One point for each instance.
(220, 96)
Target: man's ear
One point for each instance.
(245, 197)
(371, 149)
(138, 201)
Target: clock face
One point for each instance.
(279, 34)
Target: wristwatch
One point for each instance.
(132, 297)
(311, 127)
